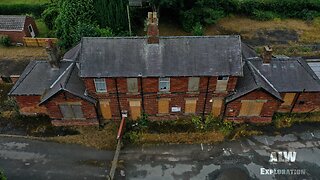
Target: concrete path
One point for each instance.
(31, 159)
(241, 159)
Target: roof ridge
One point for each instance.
(69, 75)
(263, 77)
(61, 75)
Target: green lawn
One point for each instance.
(23, 1)
(43, 30)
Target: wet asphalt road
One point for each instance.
(235, 160)
(32, 160)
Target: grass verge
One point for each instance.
(286, 120)
(92, 136)
(22, 53)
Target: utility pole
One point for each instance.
(129, 22)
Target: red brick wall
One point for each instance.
(308, 102)
(268, 109)
(28, 105)
(15, 36)
(29, 20)
(54, 112)
(178, 94)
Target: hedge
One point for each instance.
(17, 9)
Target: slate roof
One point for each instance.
(252, 80)
(315, 66)
(173, 56)
(68, 81)
(73, 53)
(288, 74)
(12, 22)
(248, 51)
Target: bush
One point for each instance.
(264, 15)
(14, 9)
(197, 30)
(5, 41)
(2, 176)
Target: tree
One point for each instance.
(72, 14)
(112, 14)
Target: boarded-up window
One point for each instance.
(222, 83)
(251, 107)
(105, 109)
(216, 106)
(193, 84)
(132, 84)
(191, 105)
(163, 106)
(288, 99)
(135, 109)
(71, 111)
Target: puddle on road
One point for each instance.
(14, 145)
(22, 156)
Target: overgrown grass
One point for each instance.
(22, 53)
(92, 136)
(177, 131)
(24, 1)
(286, 120)
(44, 32)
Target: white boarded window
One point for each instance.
(164, 84)
(222, 83)
(100, 85)
(193, 84)
(132, 85)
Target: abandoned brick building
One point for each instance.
(166, 78)
(16, 27)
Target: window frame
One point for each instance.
(103, 81)
(194, 79)
(161, 80)
(135, 80)
(222, 80)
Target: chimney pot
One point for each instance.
(267, 54)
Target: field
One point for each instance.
(24, 1)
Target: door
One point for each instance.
(216, 107)
(105, 109)
(135, 109)
(163, 106)
(30, 28)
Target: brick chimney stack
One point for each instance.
(152, 30)
(267, 54)
(53, 55)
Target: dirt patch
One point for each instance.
(277, 36)
(22, 53)
(12, 67)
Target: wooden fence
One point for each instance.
(38, 42)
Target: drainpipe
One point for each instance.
(141, 93)
(98, 116)
(296, 100)
(205, 99)
(118, 98)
